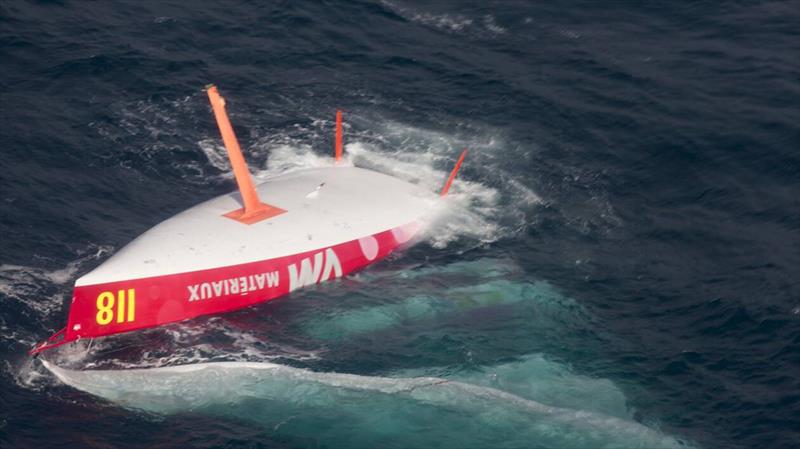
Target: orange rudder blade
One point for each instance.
(338, 136)
(453, 173)
(254, 210)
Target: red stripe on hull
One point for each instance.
(115, 307)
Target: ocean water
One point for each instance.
(618, 264)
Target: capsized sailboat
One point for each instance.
(234, 251)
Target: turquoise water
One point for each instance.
(388, 411)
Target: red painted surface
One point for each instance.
(453, 173)
(165, 299)
(338, 155)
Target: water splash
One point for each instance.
(37, 288)
(163, 137)
(474, 209)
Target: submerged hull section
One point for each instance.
(337, 220)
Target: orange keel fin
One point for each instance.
(453, 173)
(254, 210)
(338, 136)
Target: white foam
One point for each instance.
(287, 158)
(32, 286)
(473, 209)
(455, 22)
(216, 155)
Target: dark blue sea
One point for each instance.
(618, 264)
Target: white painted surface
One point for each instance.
(352, 203)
